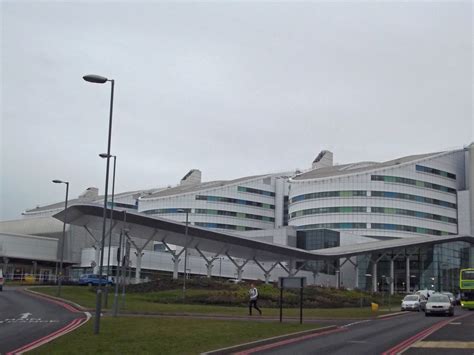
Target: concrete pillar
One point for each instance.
(209, 266)
(292, 268)
(374, 276)
(356, 271)
(138, 267)
(175, 267)
(407, 274)
(240, 271)
(392, 276)
(5, 265)
(96, 259)
(35, 264)
(267, 277)
(338, 278)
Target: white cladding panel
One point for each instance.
(452, 162)
(28, 247)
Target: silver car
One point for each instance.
(411, 303)
(439, 304)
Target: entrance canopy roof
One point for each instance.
(172, 232)
(207, 240)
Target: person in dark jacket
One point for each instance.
(253, 295)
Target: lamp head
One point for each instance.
(92, 78)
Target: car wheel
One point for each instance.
(426, 314)
(89, 284)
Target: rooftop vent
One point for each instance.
(324, 159)
(193, 177)
(91, 194)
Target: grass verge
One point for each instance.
(150, 303)
(143, 335)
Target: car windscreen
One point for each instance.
(438, 298)
(411, 298)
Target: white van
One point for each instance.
(2, 280)
(427, 293)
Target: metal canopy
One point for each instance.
(391, 245)
(165, 230)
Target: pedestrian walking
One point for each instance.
(253, 295)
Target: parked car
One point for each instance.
(93, 280)
(411, 303)
(439, 304)
(451, 297)
(2, 280)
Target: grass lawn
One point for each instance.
(142, 335)
(151, 303)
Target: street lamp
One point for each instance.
(180, 210)
(104, 156)
(59, 279)
(98, 304)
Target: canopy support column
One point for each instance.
(266, 273)
(209, 262)
(139, 254)
(374, 272)
(175, 257)
(240, 268)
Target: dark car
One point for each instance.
(93, 280)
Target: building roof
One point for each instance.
(345, 169)
(391, 245)
(182, 189)
(164, 230)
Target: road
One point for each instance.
(26, 320)
(364, 337)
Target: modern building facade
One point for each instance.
(323, 207)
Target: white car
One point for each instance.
(2, 280)
(439, 304)
(411, 303)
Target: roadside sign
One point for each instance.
(291, 282)
(294, 283)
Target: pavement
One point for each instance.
(27, 320)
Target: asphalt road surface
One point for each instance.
(25, 318)
(457, 337)
(364, 337)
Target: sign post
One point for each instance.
(294, 283)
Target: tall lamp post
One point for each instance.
(98, 302)
(104, 156)
(59, 279)
(180, 210)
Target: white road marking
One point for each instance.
(354, 323)
(25, 315)
(24, 319)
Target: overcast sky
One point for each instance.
(231, 88)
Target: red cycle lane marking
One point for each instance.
(72, 325)
(288, 341)
(423, 334)
(58, 302)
